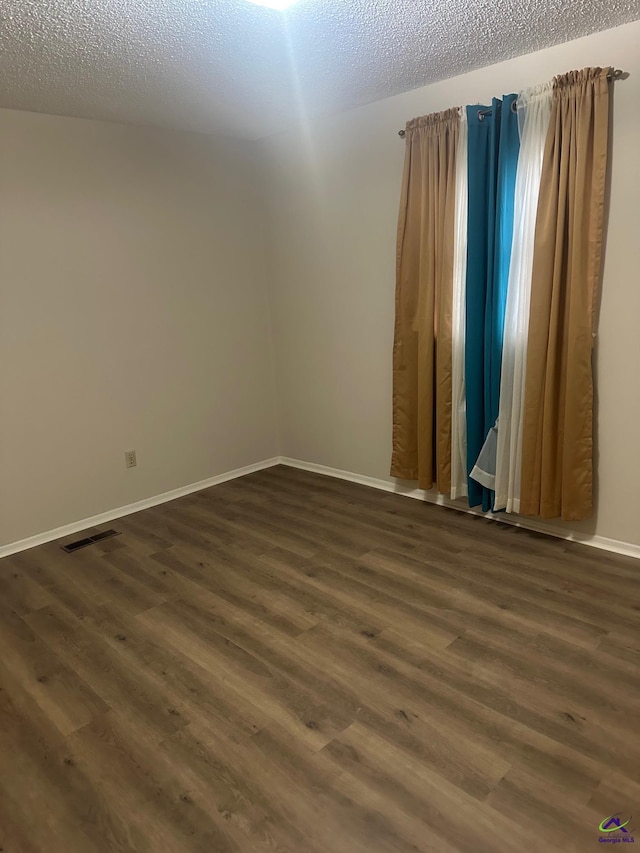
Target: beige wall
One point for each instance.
(133, 314)
(134, 310)
(333, 191)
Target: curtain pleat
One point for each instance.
(482, 165)
(459, 396)
(534, 111)
(423, 325)
(493, 157)
(557, 455)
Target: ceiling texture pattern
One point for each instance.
(229, 67)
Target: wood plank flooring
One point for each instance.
(288, 662)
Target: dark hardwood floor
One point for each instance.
(288, 662)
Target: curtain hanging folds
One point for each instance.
(557, 443)
(534, 110)
(458, 380)
(422, 345)
(498, 268)
(492, 160)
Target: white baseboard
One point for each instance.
(602, 542)
(129, 509)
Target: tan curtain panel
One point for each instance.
(557, 463)
(424, 286)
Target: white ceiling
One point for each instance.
(230, 67)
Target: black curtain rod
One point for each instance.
(615, 74)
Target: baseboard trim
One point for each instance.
(129, 509)
(602, 542)
(616, 546)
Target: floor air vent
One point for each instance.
(90, 540)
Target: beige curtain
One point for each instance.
(557, 464)
(424, 287)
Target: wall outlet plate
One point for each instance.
(130, 458)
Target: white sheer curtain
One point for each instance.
(459, 397)
(534, 111)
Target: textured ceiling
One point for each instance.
(230, 67)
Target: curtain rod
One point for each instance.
(614, 74)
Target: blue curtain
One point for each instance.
(493, 148)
